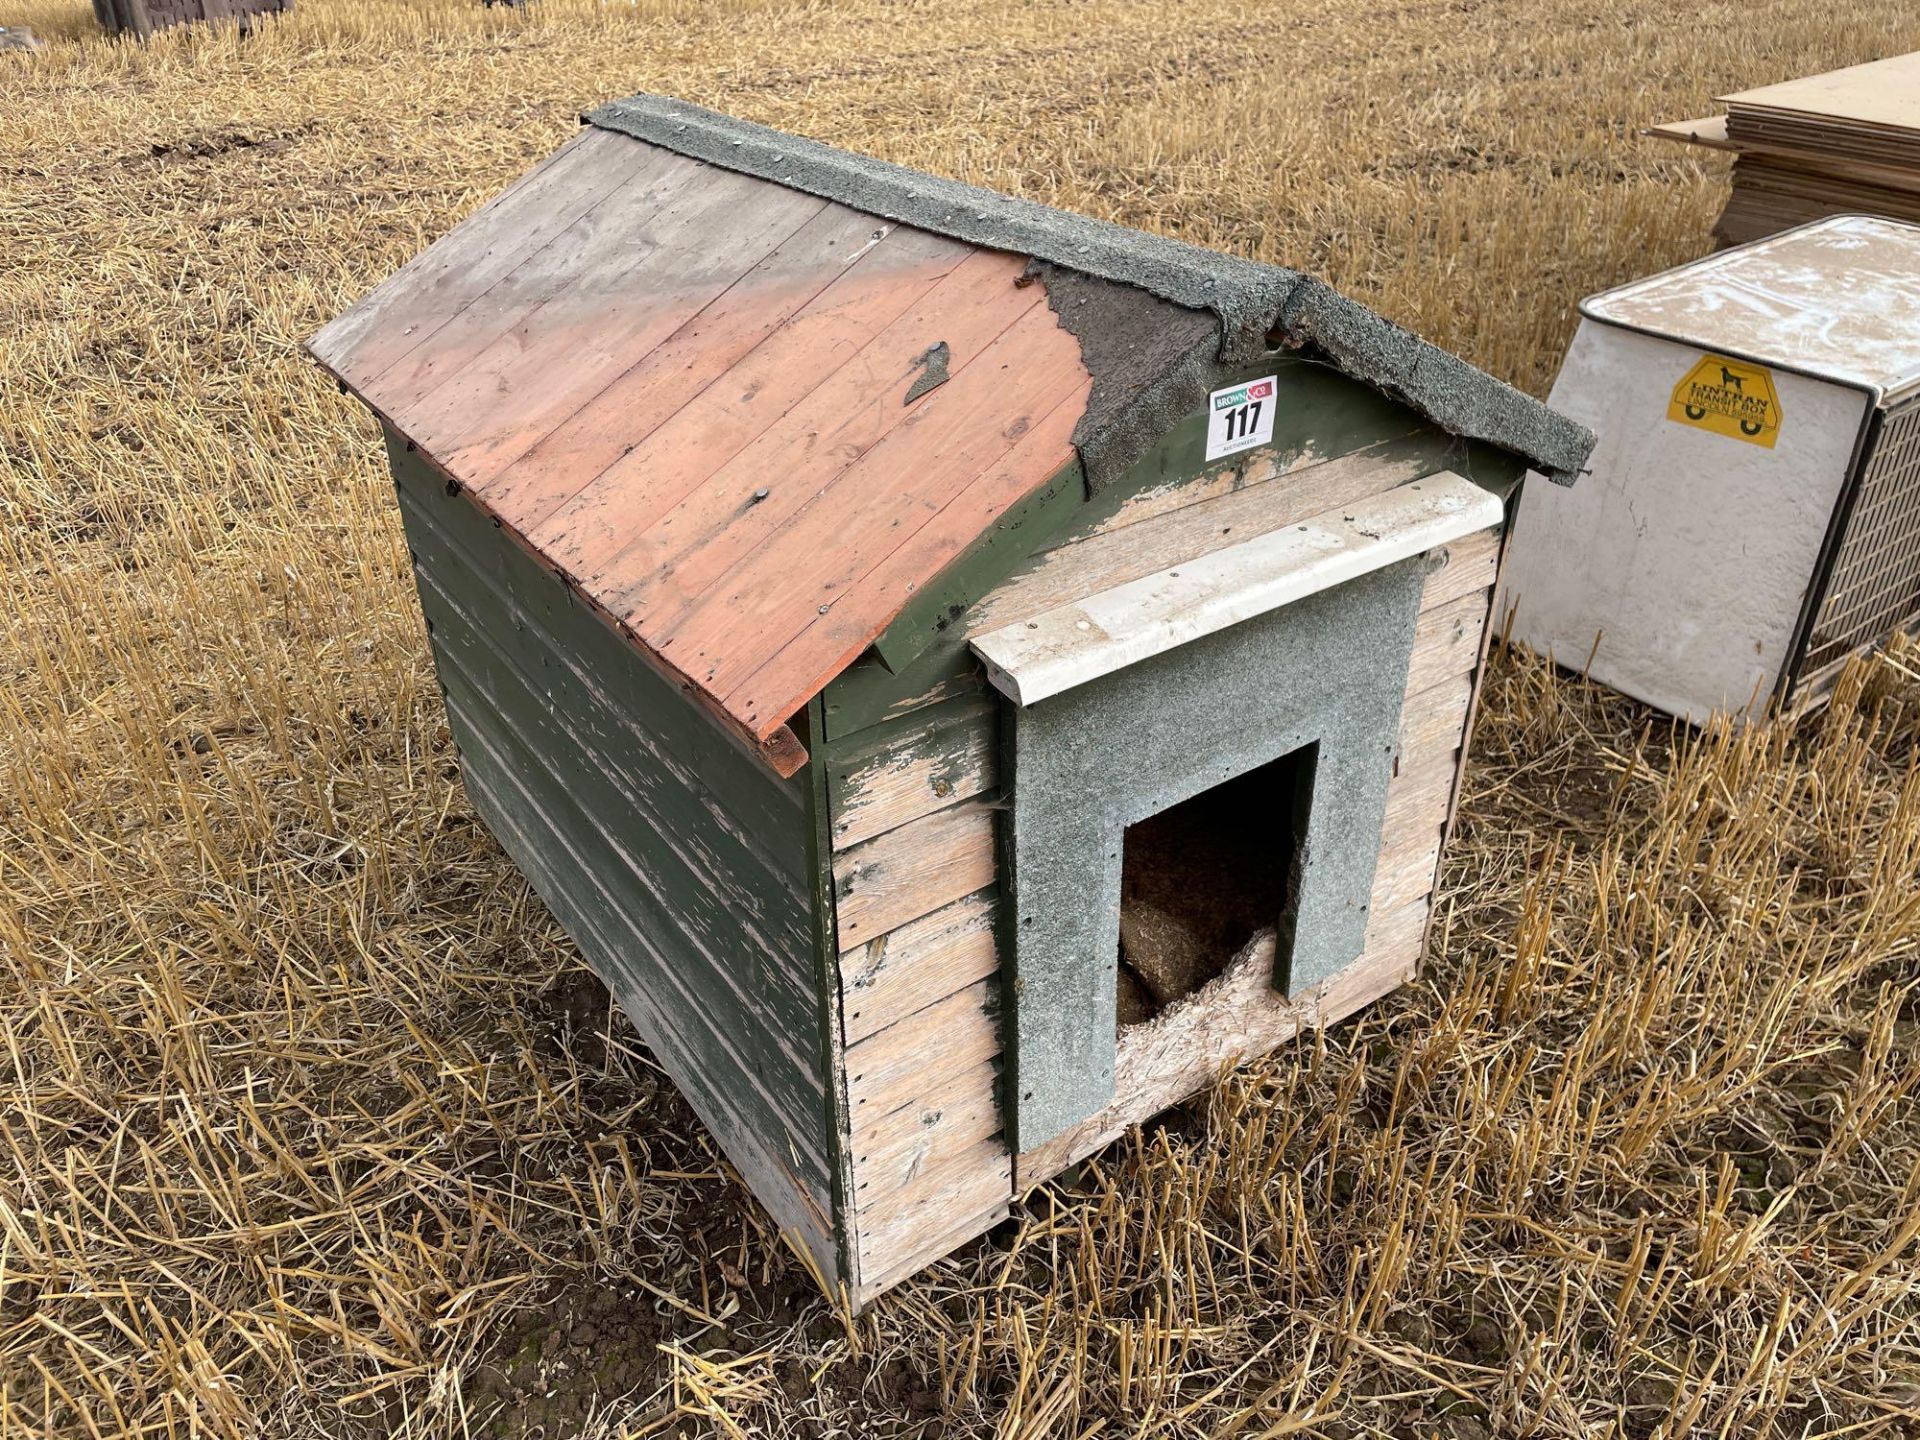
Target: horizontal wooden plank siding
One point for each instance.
(962, 1187)
(678, 865)
(959, 1109)
(1447, 641)
(925, 960)
(945, 755)
(888, 1071)
(913, 871)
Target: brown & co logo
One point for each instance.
(1729, 397)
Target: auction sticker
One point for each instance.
(1240, 417)
(1728, 397)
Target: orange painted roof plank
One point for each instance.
(956, 433)
(868, 604)
(772, 299)
(428, 379)
(663, 466)
(624, 298)
(740, 506)
(688, 390)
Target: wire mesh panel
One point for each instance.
(1874, 587)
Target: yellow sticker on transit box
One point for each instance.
(1728, 397)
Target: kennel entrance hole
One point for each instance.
(1201, 878)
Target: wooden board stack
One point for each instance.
(1847, 142)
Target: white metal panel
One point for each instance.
(1839, 298)
(1086, 639)
(1681, 562)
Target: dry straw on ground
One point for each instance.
(314, 1127)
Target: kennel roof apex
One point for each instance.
(1838, 299)
(752, 395)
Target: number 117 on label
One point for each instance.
(1239, 417)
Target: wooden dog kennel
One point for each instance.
(857, 595)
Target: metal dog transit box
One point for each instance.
(1752, 517)
(962, 672)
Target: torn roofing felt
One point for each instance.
(1257, 306)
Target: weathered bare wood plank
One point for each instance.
(1447, 640)
(1434, 718)
(913, 770)
(1116, 557)
(889, 1071)
(1094, 635)
(913, 871)
(884, 1185)
(905, 970)
(768, 298)
(604, 315)
(1468, 566)
(882, 1275)
(407, 308)
(958, 1188)
(962, 1110)
(637, 471)
(603, 230)
(1243, 472)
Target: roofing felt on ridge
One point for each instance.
(750, 414)
(1258, 305)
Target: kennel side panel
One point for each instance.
(1872, 585)
(676, 863)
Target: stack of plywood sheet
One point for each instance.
(1847, 142)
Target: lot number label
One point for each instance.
(1240, 417)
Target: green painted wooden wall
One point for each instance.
(683, 868)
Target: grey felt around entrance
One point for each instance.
(1331, 672)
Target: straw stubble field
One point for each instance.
(313, 1125)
